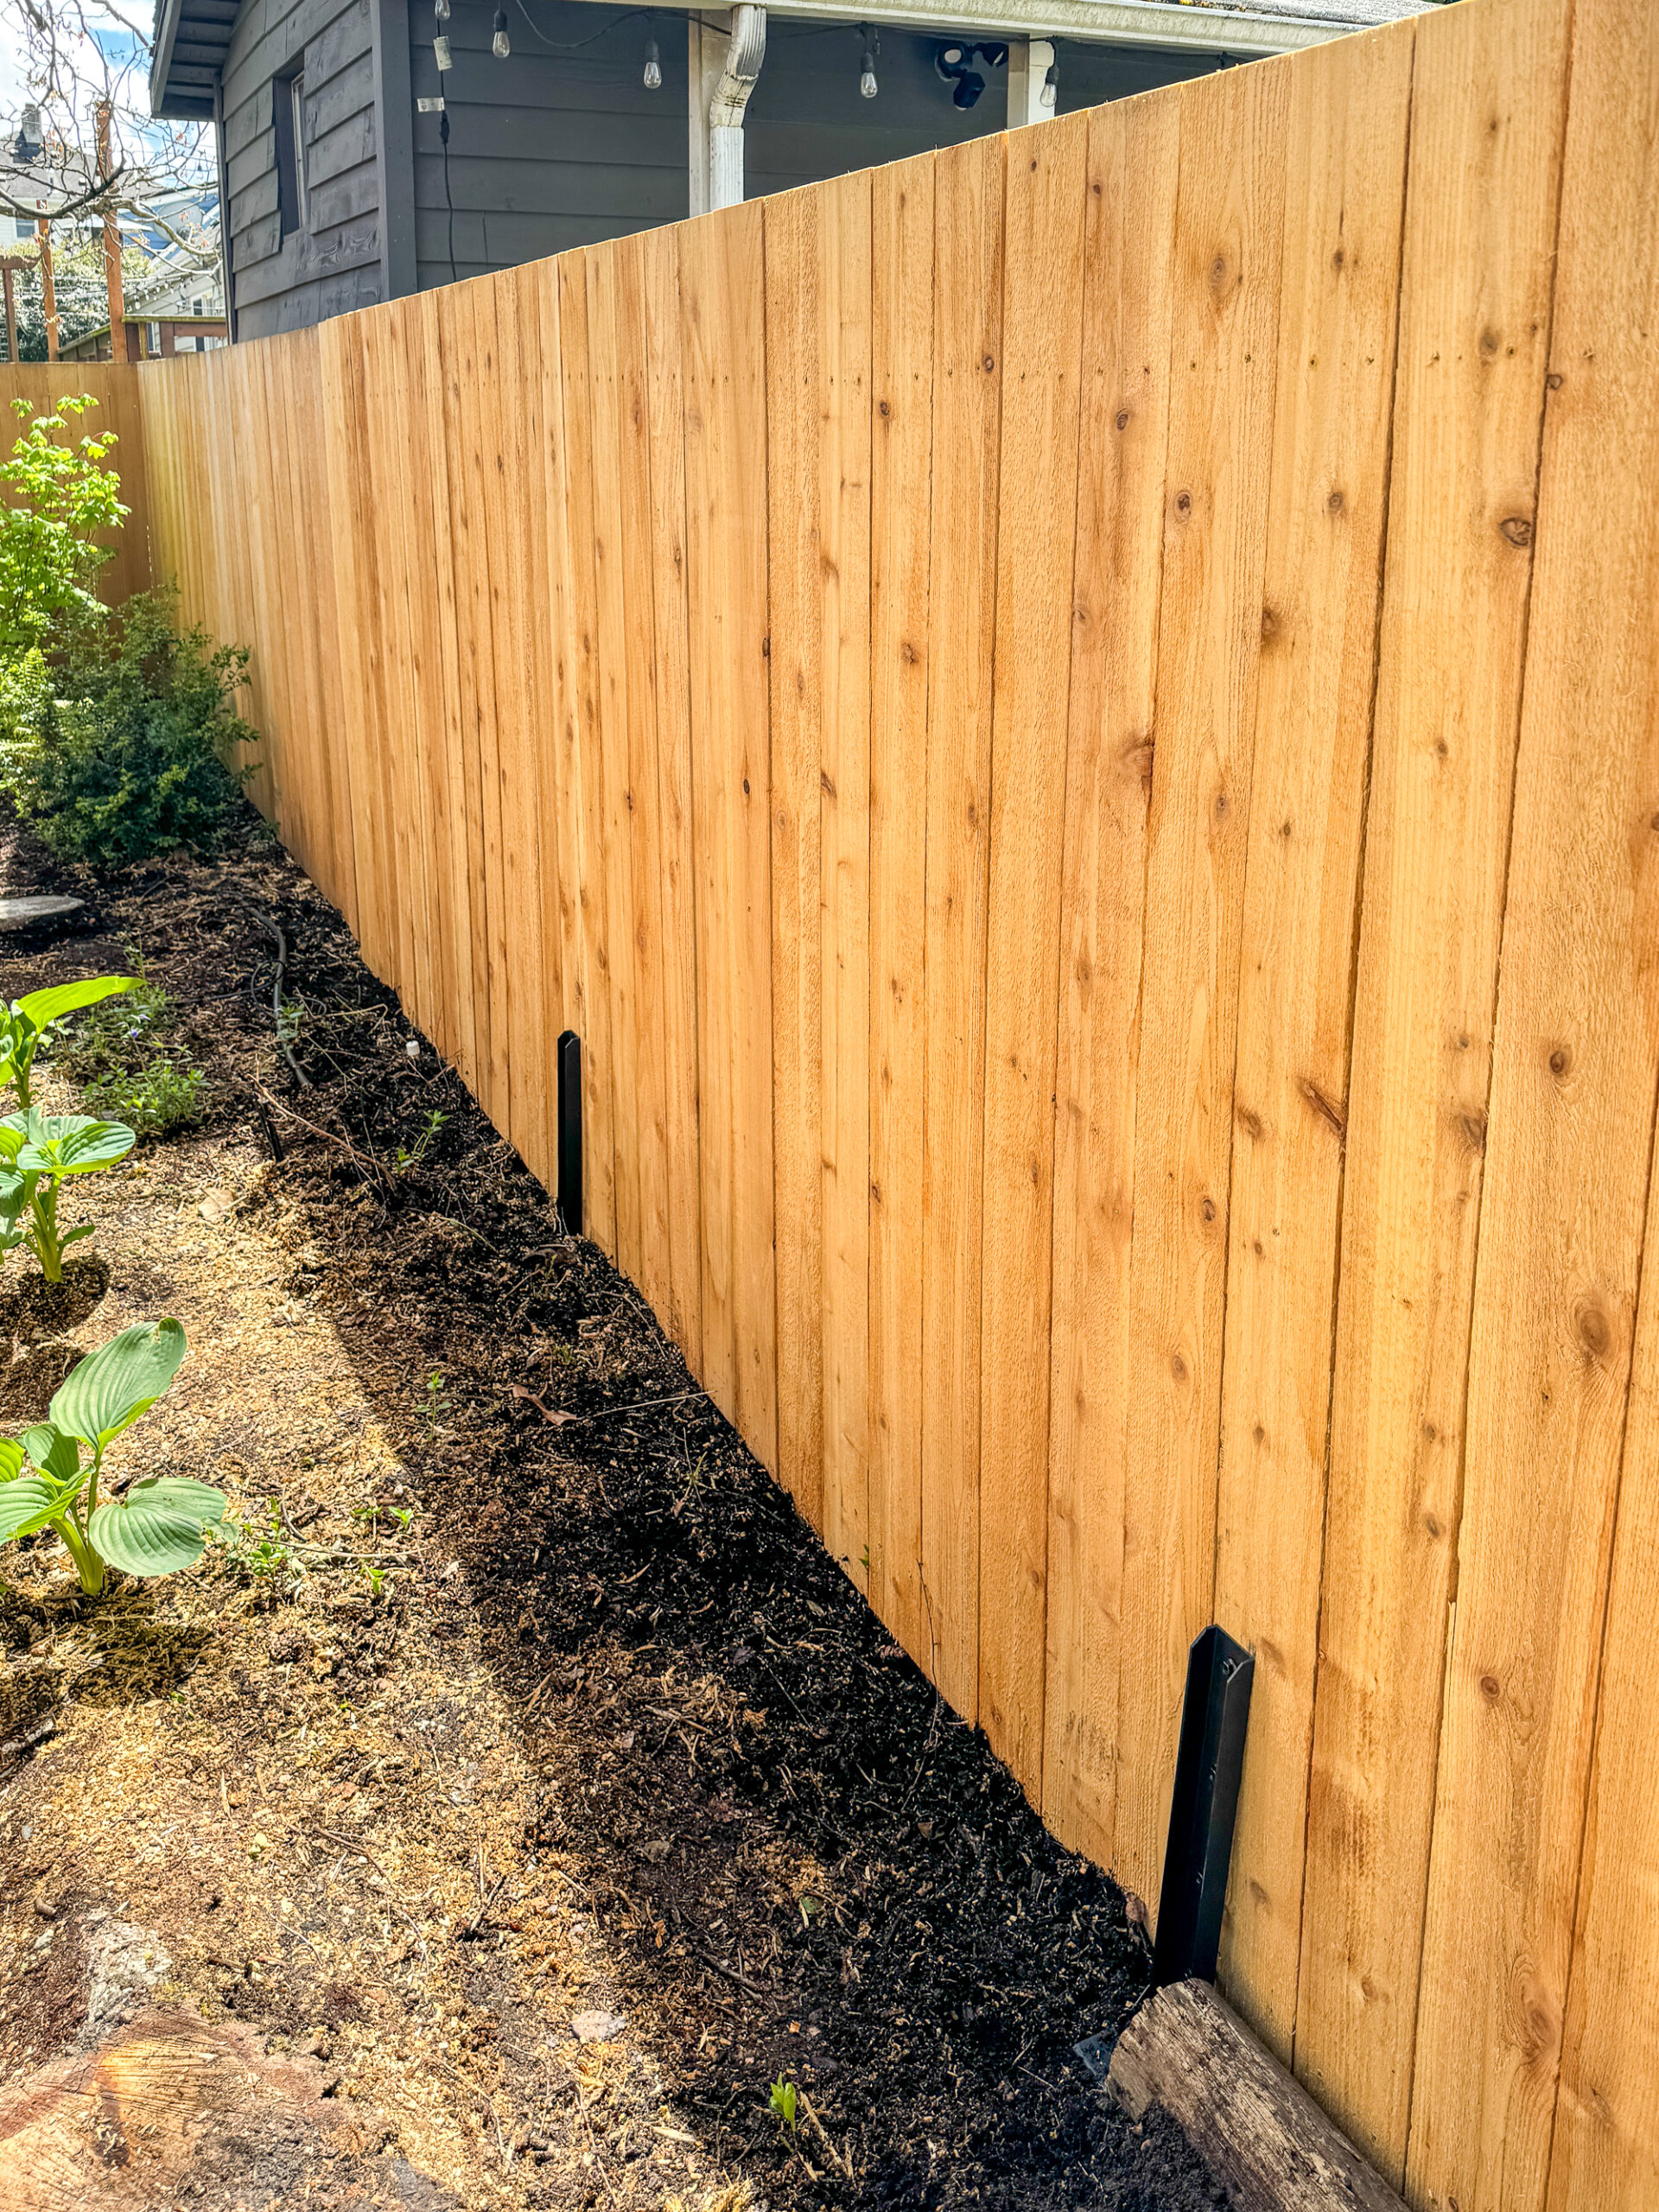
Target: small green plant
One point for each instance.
(437, 1401)
(159, 1524)
(408, 1160)
(59, 496)
(118, 747)
(37, 1150)
(155, 1100)
(376, 1579)
(261, 1553)
(783, 2101)
(26, 1022)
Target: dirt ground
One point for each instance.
(523, 1791)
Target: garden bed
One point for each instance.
(525, 1791)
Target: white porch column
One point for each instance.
(1030, 61)
(725, 50)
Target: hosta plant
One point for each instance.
(37, 1150)
(26, 1020)
(49, 1476)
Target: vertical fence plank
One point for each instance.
(1226, 270)
(795, 247)
(518, 566)
(1474, 311)
(901, 384)
(1575, 1060)
(968, 214)
(683, 1313)
(845, 308)
(1593, 653)
(724, 334)
(583, 856)
(1042, 338)
(1344, 189)
(1134, 157)
(643, 827)
(620, 669)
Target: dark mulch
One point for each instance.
(821, 1874)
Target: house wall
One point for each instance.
(334, 264)
(561, 145)
(550, 148)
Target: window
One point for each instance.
(287, 118)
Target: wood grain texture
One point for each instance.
(1344, 189)
(723, 354)
(1476, 263)
(1597, 585)
(901, 380)
(683, 1314)
(1226, 270)
(1134, 157)
(969, 184)
(583, 858)
(1575, 1060)
(1042, 338)
(1186, 2051)
(795, 247)
(844, 456)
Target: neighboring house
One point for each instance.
(568, 123)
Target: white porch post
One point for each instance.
(1030, 61)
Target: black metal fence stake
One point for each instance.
(570, 1194)
(1208, 1766)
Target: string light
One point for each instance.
(440, 9)
(1051, 89)
(653, 68)
(500, 45)
(867, 88)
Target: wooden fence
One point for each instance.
(1076, 724)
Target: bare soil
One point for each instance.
(526, 1791)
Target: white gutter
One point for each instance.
(744, 56)
(1264, 27)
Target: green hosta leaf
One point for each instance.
(54, 1452)
(72, 1144)
(11, 1458)
(41, 1007)
(73, 1236)
(27, 1503)
(13, 1196)
(121, 1380)
(12, 1140)
(158, 1527)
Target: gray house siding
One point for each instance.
(335, 263)
(549, 149)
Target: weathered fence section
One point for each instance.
(1076, 724)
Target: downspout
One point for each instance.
(744, 56)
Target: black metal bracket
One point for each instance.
(1208, 1768)
(570, 1192)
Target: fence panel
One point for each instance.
(1010, 701)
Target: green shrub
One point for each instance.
(59, 495)
(116, 746)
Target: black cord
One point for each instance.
(443, 138)
(561, 46)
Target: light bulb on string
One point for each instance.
(867, 88)
(653, 68)
(440, 9)
(500, 45)
(1051, 91)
